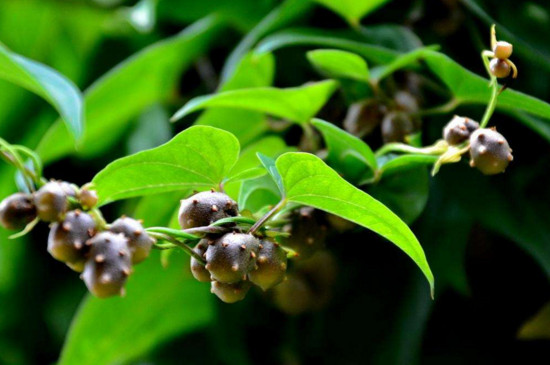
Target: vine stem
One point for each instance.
(187, 249)
(436, 149)
(267, 216)
(494, 92)
(98, 217)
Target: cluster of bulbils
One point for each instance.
(500, 66)
(104, 255)
(490, 153)
(232, 261)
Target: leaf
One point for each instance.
(197, 158)
(392, 36)
(152, 129)
(159, 305)
(400, 62)
(318, 38)
(469, 88)
(390, 164)
(537, 327)
(339, 64)
(278, 17)
(258, 193)
(347, 153)
(251, 173)
(253, 71)
(308, 180)
(269, 165)
(298, 104)
(59, 91)
(352, 10)
(122, 94)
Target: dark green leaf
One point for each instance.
(400, 62)
(339, 64)
(347, 153)
(198, 158)
(308, 180)
(318, 38)
(390, 164)
(297, 104)
(352, 10)
(59, 91)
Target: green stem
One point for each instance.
(491, 106)
(267, 216)
(98, 217)
(436, 149)
(440, 109)
(187, 249)
(11, 156)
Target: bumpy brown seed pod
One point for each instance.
(489, 151)
(197, 269)
(51, 202)
(459, 129)
(204, 208)
(294, 295)
(406, 101)
(230, 293)
(307, 231)
(396, 126)
(16, 211)
(363, 117)
(500, 68)
(232, 257)
(139, 241)
(108, 266)
(67, 239)
(272, 264)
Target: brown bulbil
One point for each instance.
(227, 260)
(503, 50)
(205, 208)
(16, 211)
(109, 265)
(230, 293)
(307, 229)
(459, 129)
(67, 239)
(363, 117)
(500, 68)
(272, 265)
(88, 198)
(489, 151)
(51, 201)
(396, 126)
(197, 269)
(139, 241)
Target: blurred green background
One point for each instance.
(487, 238)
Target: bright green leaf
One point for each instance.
(160, 304)
(469, 88)
(256, 194)
(390, 164)
(269, 165)
(318, 38)
(339, 64)
(251, 173)
(308, 180)
(347, 153)
(198, 158)
(400, 62)
(59, 91)
(298, 104)
(352, 10)
(127, 90)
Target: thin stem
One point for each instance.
(440, 109)
(98, 217)
(11, 157)
(187, 249)
(267, 216)
(494, 94)
(206, 230)
(436, 149)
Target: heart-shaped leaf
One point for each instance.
(198, 158)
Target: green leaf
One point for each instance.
(400, 62)
(152, 129)
(253, 71)
(392, 36)
(146, 78)
(339, 64)
(256, 194)
(298, 104)
(160, 304)
(308, 180)
(271, 168)
(537, 327)
(469, 88)
(352, 10)
(390, 164)
(319, 38)
(347, 153)
(59, 91)
(198, 158)
(248, 174)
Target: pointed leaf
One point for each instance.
(308, 180)
(298, 104)
(352, 10)
(271, 168)
(339, 64)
